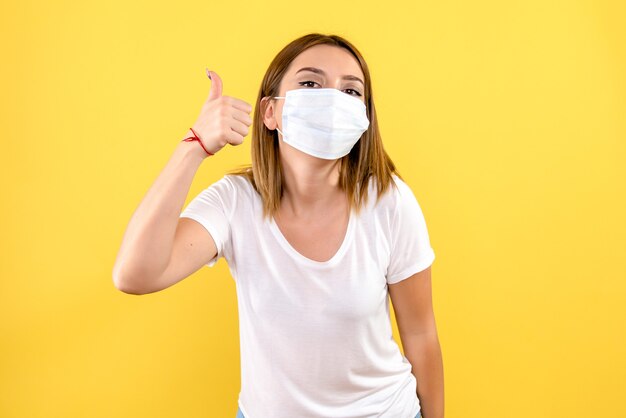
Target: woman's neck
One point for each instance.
(310, 187)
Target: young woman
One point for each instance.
(317, 232)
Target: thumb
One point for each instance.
(216, 85)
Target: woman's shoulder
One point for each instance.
(240, 185)
(402, 189)
(389, 197)
(229, 189)
(397, 198)
(237, 180)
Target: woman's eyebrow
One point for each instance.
(319, 71)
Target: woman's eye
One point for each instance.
(302, 83)
(357, 93)
(305, 82)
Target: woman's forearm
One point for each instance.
(424, 353)
(147, 242)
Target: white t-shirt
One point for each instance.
(315, 337)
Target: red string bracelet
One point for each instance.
(195, 137)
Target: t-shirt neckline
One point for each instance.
(308, 261)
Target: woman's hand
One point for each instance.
(223, 119)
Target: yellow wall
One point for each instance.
(506, 118)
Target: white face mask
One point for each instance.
(323, 122)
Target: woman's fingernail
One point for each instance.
(208, 73)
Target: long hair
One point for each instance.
(366, 160)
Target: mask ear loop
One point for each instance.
(279, 97)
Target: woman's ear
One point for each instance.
(267, 112)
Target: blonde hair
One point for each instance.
(367, 159)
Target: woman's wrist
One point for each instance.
(191, 149)
(194, 137)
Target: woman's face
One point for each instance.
(321, 66)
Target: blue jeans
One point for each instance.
(240, 414)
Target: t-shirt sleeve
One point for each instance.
(213, 208)
(410, 244)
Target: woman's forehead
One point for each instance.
(326, 60)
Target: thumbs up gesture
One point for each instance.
(223, 119)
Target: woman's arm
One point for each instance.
(146, 252)
(412, 304)
(149, 237)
